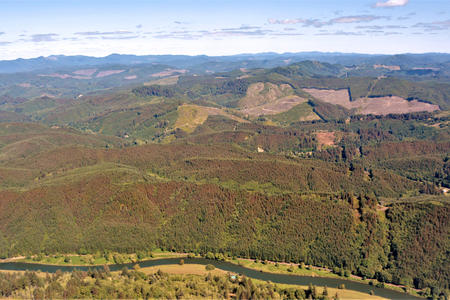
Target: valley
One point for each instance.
(309, 162)
(234, 268)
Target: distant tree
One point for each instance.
(210, 255)
(347, 273)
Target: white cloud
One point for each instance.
(244, 30)
(43, 37)
(391, 3)
(319, 23)
(355, 19)
(286, 21)
(94, 33)
(433, 26)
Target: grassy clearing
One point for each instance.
(189, 117)
(192, 269)
(300, 112)
(282, 268)
(70, 260)
(98, 259)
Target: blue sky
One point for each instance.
(31, 28)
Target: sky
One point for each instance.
(33, 28)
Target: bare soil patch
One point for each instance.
(265, 98)
(85, 72)
(392, 105)
(169, 72)
(56, 75)
(64, 76)
(108, 73)
(261, 93)
(392, 68)
(325, 138)
(337, 97)
(376, 106)
(81, 77)
(276, 107)
(426, 68)
(24, 85)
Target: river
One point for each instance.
(275, 278)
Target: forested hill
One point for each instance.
(259, 60)
(70, 76)
(317, 162)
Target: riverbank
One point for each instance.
(78, 260)
(197, 269)
(314, 271)
(343, 294)
(158, 259)
(201, 271)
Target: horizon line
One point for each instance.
(236, 54)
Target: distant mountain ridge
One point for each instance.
(223, 63)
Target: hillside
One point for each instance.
(297, 163)
(72, 76)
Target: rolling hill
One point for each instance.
(309, 161)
